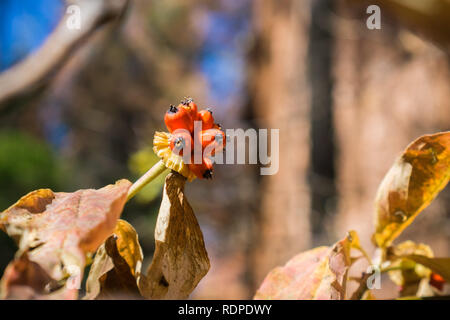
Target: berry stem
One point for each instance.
(151, 174)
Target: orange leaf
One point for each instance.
(57, 230)
(25, 280)
(116, 270)
(317, 274)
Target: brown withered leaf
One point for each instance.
(180, 260)
(317, 274)
(55, 231)
(415, 179)
(25, 280)
(116, 270)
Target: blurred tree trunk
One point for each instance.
(279, 97)
(390, 88)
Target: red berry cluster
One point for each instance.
(211, 135)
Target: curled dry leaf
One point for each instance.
(415, 179)
(55, 231)
(409, 274)
(180, 260)
(317, 274)
(116, 270)
(25, 280)
(441, 266)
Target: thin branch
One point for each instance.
(359, 292)
(38, 68)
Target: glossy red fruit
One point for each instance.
(203, 170)
(180, 141)
(214, 139)
(189, 105)
(178, 118)
(437, 281)
(207, 119)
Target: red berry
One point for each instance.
(214, 139)
(437, 281)
(178, 118)
(189, 105)
(206, 117)
(181, 140)
(203, 170)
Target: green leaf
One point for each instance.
(439, 265)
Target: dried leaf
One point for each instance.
(412, 183)
(116, 269)
(128, 247)
(100, 267)
(317, 274)
(56, 231)
(440, 266)
(180, 260)
(410, 273)
(25, 280)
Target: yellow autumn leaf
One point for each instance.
(116, 270)
(128, 246)
(440, 266)
(414, 180)
(406, 272)
(354, 243)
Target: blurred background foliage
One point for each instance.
(346, 99)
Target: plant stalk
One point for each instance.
(362, 288)
(151, 174)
